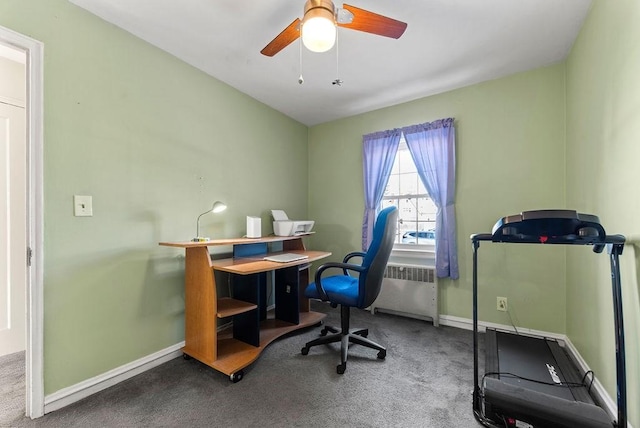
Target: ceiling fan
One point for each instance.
(318, 26)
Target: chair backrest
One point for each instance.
(375, 260)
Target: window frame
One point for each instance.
(399, 248)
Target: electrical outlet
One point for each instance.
(501, 304)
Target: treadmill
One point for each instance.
(531, 381)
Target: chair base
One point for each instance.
(345, 336)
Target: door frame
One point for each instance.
(34, 355)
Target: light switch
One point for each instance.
(82, 206)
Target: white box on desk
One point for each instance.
(254, 227)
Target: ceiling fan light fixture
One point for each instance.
(319, 26)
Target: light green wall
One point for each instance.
(510, 158)
(155, 142)
(603, 171)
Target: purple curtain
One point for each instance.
(378, 154)
(432, 147)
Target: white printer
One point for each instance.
(282, 226)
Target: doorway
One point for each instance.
(13, 190)
(27, 259)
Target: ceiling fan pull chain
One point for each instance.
(338, 81)
(300, 79)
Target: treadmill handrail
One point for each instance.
(560, 227)
(597, 242)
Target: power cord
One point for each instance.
(593, 376)
(512, 323)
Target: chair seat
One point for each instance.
(341, 289)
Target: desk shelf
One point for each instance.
(228, 307)
(231, 350)
(234, 355)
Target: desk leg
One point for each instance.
(303, 302)
(246, 326)
(287, 288)
(200, 306)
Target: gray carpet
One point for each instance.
(12, 388)
(425, 381)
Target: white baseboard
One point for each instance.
(71, 394)
(600, 392)
(77, 392)
(467, 324)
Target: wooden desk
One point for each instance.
(231, 351)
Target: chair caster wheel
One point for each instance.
(237, 376)
(304, 351)
(363, 333)
(186, 357)
(341, 368)
(382, 355)
(324, 331)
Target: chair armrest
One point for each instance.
(332, 265)
(352, 255)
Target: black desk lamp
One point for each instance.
(217, 207)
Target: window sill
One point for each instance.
(411, 256)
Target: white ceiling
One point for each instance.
(448, 44)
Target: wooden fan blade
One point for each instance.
(370, 22)
(284, 39)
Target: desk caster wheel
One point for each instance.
(236, 377)
(186, 357)
(304, 351)
(341, 368)
(382, 355)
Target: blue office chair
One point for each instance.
(355, 291)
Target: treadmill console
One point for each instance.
(549, 227)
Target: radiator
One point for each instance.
(409, 291)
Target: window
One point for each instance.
(416, 210)
(433, 145)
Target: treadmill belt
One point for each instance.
(528, 385)
(531, 358)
